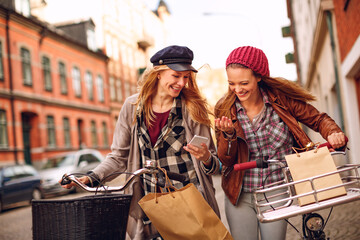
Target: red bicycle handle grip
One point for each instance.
(244, 166)
(328, 145)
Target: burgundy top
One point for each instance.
(158, 124)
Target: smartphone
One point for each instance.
(198, 140)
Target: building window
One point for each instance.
(91, 39)
(1, 63)
(47, 73)
(23, 7)
(51, 140)
(105, 134)
(26, 66)
(62, 76)
(119, 90)
(93, 134)
(100, 88)
(109, 47)
(76, 81)
(89, 85)
(3, 130)
(67, 136)
(112, 89)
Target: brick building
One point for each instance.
(126, 30)
(53, 90)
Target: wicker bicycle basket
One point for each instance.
(89, 217)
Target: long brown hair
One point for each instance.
(196, 104)
(276, 85)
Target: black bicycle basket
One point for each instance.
(89, 217)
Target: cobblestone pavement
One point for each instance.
(344, 222)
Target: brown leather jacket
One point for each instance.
(291, 112)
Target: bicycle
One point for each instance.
(100, 216)
(313, 224)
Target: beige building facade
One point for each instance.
(330, 74)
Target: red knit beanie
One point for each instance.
(250, 57)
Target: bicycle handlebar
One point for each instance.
(264, 163)
(250, 165)
(68, 178)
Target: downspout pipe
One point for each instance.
(13, 119)
(335, 62)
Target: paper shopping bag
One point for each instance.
(313, 163)
(183, 214)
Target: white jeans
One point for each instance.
(244, 224)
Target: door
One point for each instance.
(80, 128)
(26, 127)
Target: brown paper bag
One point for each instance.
(183, 214)
(312, 163)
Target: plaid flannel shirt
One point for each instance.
(270, 138)
(168, 150)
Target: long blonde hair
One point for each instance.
(275, 85)
(196, 104)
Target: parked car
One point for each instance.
(19, 184)
(75, 162)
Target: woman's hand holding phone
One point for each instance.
(198, 148)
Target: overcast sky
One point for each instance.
(213, 28)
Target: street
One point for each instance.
(344, 223)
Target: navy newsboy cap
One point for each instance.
(178, 58)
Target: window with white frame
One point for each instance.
(3, 130)
(100, 88)
(115, 49)
(23, 7)
(76, 81)
(108, 42)
(62, 77)
(47, 73)
(119, 95)
(67, 135)
(112, 89)
(91, 39)
(26, 66)
(105, 134)
(1, 63)
(93, 134)
(51, 139)
(89, 85)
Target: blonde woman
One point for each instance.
(157, 124)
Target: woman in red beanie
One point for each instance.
(257, 119)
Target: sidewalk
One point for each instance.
(344, 222)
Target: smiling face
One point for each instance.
(172, 82)
(243, 83)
